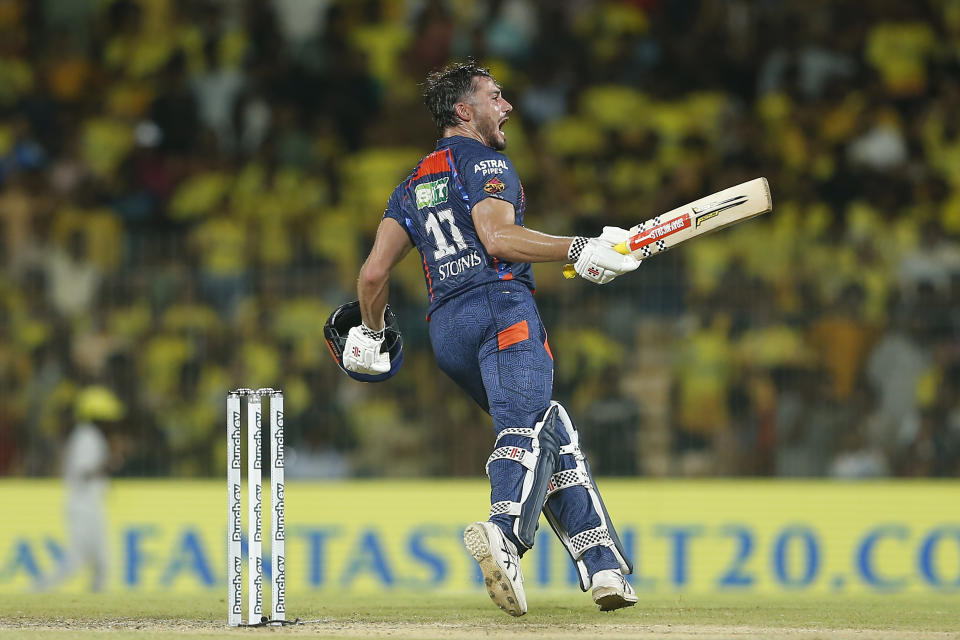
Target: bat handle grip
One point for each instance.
(569, 272)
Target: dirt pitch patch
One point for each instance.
(321, 629)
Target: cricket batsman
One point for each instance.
(462, 208)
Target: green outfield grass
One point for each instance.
(437, 615)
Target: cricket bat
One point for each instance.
(692, 220)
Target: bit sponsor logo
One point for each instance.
(430, 194)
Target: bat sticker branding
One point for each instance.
(707, 216)
(653, 234)
(714, 209)
(494, 185)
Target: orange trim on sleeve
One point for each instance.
(436, 162)
(513, 334)
(546, 345)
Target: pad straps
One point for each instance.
(518, 454)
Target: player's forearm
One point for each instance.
(372, 291)
(389, 248)
(514, 243)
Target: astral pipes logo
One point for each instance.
(235, 534)
(278, 441)
(237, 586)
(235, 442)
(280, 584)
(278, 513)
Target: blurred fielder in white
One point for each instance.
(86, 463)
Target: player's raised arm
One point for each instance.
(594, 258)
(494, 220)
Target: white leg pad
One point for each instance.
(540, 462)
(580, 476)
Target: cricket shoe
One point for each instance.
(612, 591)
(500, 565)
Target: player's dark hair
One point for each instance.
(448, 86)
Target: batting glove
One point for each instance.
(361, 352)
(614, 236)
(598, 262)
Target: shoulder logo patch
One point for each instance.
(431, 194)
(494, 185)
(492, 167)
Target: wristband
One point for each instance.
(576, 248)
(370, 333)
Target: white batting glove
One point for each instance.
(361, 352)
(597, 261)
(614, 235)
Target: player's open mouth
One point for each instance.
(502, 122)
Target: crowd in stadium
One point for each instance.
(187, 189)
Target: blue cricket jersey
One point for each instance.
(434, 203)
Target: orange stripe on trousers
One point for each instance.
(513, 334)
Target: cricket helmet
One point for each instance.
(97, 403)
(347, 316)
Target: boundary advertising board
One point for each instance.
(684, 536)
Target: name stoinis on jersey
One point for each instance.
(490, 167)
(454, 268)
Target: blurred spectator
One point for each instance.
(186, 189)
(842, 339)
(894, 367)
(933, 263)
(858, 456)
(809, 421)
(73, 280)
(611, 425)
(703, 373)
(882, 147)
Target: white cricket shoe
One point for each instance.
(612, 591)
(500, 565)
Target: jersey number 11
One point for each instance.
(444, 248)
